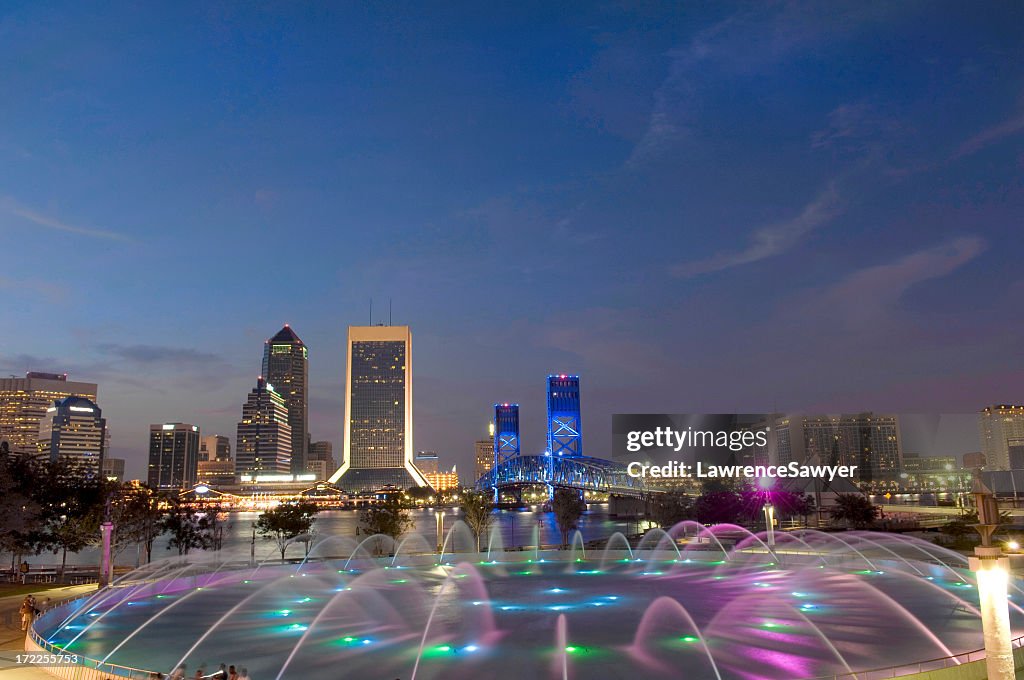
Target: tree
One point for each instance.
(477, 513)
(854, 509)
(137, 516)
(387, 518)
(190, 528)
(419, 494)
(72, 498)
(671, 508)
(20, 513)
(568, 507)
(722, 506)
(285, 522)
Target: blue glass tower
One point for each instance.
(506, 432)
(565, 436)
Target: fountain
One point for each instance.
(716, 601)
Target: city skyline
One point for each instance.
(710, 209)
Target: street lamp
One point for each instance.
(992, 569)
(769, 520)
(439, 516)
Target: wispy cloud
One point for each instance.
(156, 354)
(872, 292)
(51, 291)
(991, 135)
(11, 206)
(770, 240)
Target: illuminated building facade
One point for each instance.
(426, 461)
(506, 432)
(443, 481)
(484, 455)
(113, 469)
(74, 429)
(173, 455)
(998, 425)
(565, 432)
(214, 447)
(264, 441)
(869, 441)
(320, 460)
(378, 411)
(286, 367)
(24, 402)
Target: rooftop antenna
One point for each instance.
(371, 311)
(389, 311)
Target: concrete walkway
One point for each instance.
(12, 638)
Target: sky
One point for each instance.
(698, 207)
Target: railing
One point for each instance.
(918, 666)
(85, 668)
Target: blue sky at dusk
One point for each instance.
(698, 207)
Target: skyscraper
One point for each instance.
(426, 462)
(506, 432)
(869, 441)
(173, 455)
(484, 454)
(24, 402)
(320, 461)
(998, 425)
(215, 447)
(378, 411)
(565, 432)
(74, 429)
(264, 443)
(286, 367)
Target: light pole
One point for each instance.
(439, 516)
(993, 571)
(769, 521)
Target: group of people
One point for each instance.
(222, 673)
(28, 611)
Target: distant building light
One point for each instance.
(83, 409)
(169, 426)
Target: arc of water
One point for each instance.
(306, 633)
(449, 579)
(702, 530)
(824, 638)
(912, 542)
(319, 545)
(270, 554)
(891, 552)
(225, 616)
(104, 614)
(102, 596)
(664, 536)
(352, 555)
(750, 534)
(836, 538)
(150, 620)
(789, 536)
(666, 601)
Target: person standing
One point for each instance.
(28, 612)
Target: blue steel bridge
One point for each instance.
(577, 472)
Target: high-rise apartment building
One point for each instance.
(215, 447)
(426, 461)
(483, 458)
(322, 451)
(264, 442)
(113, 469)
(565, 432)
(998, 425)
(378, 411)
(286, 367)
(74, 429)
(24, 402)
(173, 455)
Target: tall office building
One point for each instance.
(426, 462)
(286, 367)
(215, 447)
(506, 432)
(869, 441)
(74, 429)
(565, 433)
(320, 460)
(998, 425)
(173, 455)
(23, 405)
(264, 443)
(113, 469)
(484, 454)
(378, 411)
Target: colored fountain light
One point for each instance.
(646, 610)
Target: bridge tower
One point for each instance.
(565, 434)
(506, 433)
